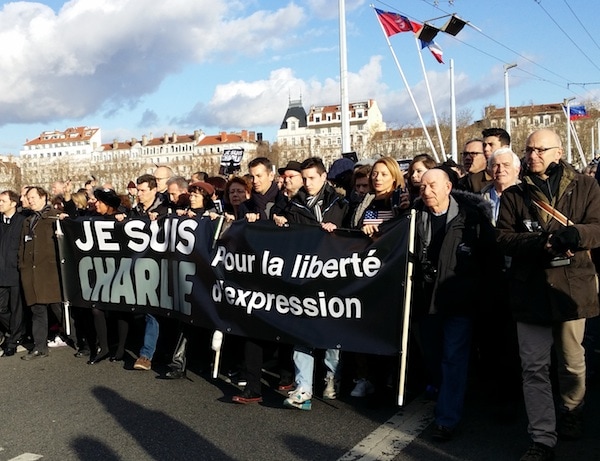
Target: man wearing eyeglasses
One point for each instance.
(475, 163)
(548, 224)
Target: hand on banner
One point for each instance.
(370, 229)
(280, 220)
(328, 226)
(181, 212)
(120, 217)
(213, 215)
(229, 217)
(252, 217)
(153, 215)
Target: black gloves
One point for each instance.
(565, 238)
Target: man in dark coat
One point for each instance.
(548, 224)
(11, 305)
(454, 238)
(260, 206)
(39, 268)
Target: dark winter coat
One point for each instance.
(466, 262)
(38, 261)
(10, 238)
(541, 294)
(333, 209)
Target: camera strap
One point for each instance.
(546, 207)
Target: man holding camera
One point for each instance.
(548, 224)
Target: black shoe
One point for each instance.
(35, 354)
(442, 433)
(98, 358)
(176, 374)
(82, 353)
(247, 397)
(10, 351)
(570, 425)
(538, 452)
(116, 358)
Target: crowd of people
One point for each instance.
(505, 276)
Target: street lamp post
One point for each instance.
(567, 104)
(506, 99)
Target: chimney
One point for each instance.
(115, 144)
(244, 135)
(165, 138)
(223, 136)
(144, 140)
(259, 137)
(174, 137)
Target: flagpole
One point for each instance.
(437, 125)
(387, 39)
(344, 102)
(454, 143)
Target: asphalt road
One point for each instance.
(60, 408)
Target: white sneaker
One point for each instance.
(332, 387)
(299, 398)
(362, 388)
(57, 342)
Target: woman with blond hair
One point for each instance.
(387, 199)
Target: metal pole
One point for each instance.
(454, 142)
(344, 102)
(435, 119)
(567, 104)
(506, 98)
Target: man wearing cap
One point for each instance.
(292, 182)
(340, 174)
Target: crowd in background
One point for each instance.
(488, 229)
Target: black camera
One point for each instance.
(429, 272)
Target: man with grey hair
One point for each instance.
(177, 188)
(496, 335)
(548, 224)
(504, 166)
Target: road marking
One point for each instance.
(389, 439)
(27, 457)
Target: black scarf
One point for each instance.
(260, 201)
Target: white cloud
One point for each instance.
(102, 54)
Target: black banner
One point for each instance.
(297, 284)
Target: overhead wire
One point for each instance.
(539, 2)
(581, 24)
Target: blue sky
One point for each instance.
(134, 67)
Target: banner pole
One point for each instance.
(59, 237)
(407, 305)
